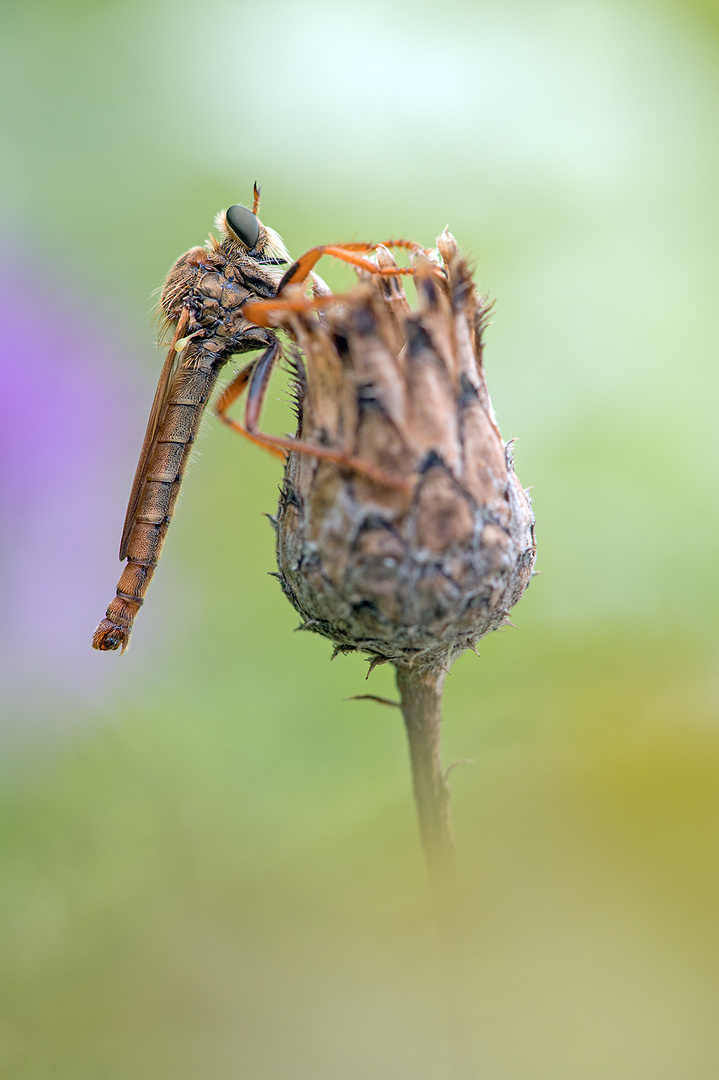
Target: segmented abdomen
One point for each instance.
(187, 398)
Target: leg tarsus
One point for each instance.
(344, 460)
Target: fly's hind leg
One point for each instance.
(237, 388)
(255, 379)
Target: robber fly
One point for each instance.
(218, 301)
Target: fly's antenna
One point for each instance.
(256, 189)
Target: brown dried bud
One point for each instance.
(416, 569)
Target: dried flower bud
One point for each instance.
(417, 569)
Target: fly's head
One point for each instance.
(245, 234)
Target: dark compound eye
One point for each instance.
(243, 224)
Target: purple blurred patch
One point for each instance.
(68, 376)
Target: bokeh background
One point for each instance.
(209, 857)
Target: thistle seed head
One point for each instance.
(416, 569)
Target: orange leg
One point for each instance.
(260, 311)
(255, 377)
(229, 395)
(347, 253)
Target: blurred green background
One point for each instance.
(209, 859)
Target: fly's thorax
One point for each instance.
(215, 302)
(213, 286)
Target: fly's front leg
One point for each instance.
(349, 253)
(261, 312)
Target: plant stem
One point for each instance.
(421, 703)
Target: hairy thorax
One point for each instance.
(213, 286)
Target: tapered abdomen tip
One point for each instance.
(109, 636)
